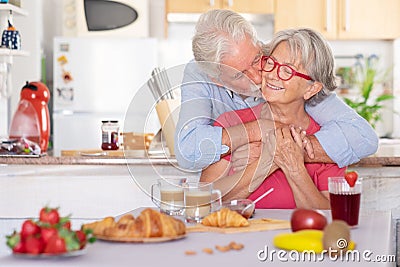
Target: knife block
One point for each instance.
(168, 112)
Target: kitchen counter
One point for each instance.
(136, 157)
(388, 154)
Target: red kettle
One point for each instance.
(32, 119)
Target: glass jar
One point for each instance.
(109, 135)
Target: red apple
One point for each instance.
(307, 219)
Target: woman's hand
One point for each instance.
(300, 137)
(289, 155)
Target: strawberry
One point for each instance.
(351, 178)
(49, 215)
(81, 237)
(66, 225)
(65, 222)
(34, 245)
(50, 234)
(29, 228)
(71, 240)
(55, 245)
(47, 233)
(19, 247)
(15, 243)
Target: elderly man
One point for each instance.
(226, 75)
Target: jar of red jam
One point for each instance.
(110, 132)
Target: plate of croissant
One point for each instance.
(149, 226)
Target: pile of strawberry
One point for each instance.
(51, 234)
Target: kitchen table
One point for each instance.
(374, 238)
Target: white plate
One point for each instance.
(140, 239)
(52, 256)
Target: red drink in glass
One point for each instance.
(345, 200)
(345, 207)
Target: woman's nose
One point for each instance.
(271, 75)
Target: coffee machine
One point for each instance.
(32, 119)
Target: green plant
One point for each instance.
(366, 80)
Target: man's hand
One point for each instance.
(245, 155)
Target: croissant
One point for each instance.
(225, 218)
(99, 227)
(122, 228)
(150, 223)
(126, 218)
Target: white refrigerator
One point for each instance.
(99, 78)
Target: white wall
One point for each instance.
(44, 22)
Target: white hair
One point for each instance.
(216, 30)
(316, 57)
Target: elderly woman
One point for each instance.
(298, 68)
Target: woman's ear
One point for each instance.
(313, 90)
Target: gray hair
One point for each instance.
(316, 57)
(216, 30)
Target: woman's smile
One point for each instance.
(273, 87)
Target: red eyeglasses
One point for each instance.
(285, 72)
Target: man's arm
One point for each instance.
(344, 135)
(319, 153)
(197, 143)
(240, 184)
(313, 151)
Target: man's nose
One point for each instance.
(254, 74)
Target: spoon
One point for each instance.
(253, 204)
(263, 195)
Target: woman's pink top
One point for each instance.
(282, 196)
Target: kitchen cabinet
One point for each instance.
(373, 19)
(341, 19)
(189, 11)
(200, 6)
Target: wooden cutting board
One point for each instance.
(92, 153)
(256, 225)
(105, 153)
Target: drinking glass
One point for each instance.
(200, 200)
(168, 195)
(345, 200)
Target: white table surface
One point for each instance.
(374, 234)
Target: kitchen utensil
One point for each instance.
(253, 204)
(156, 80)
(161, 83)
(150, 84)
(263, 195)
(167, 83)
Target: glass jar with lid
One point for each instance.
(110, 132)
